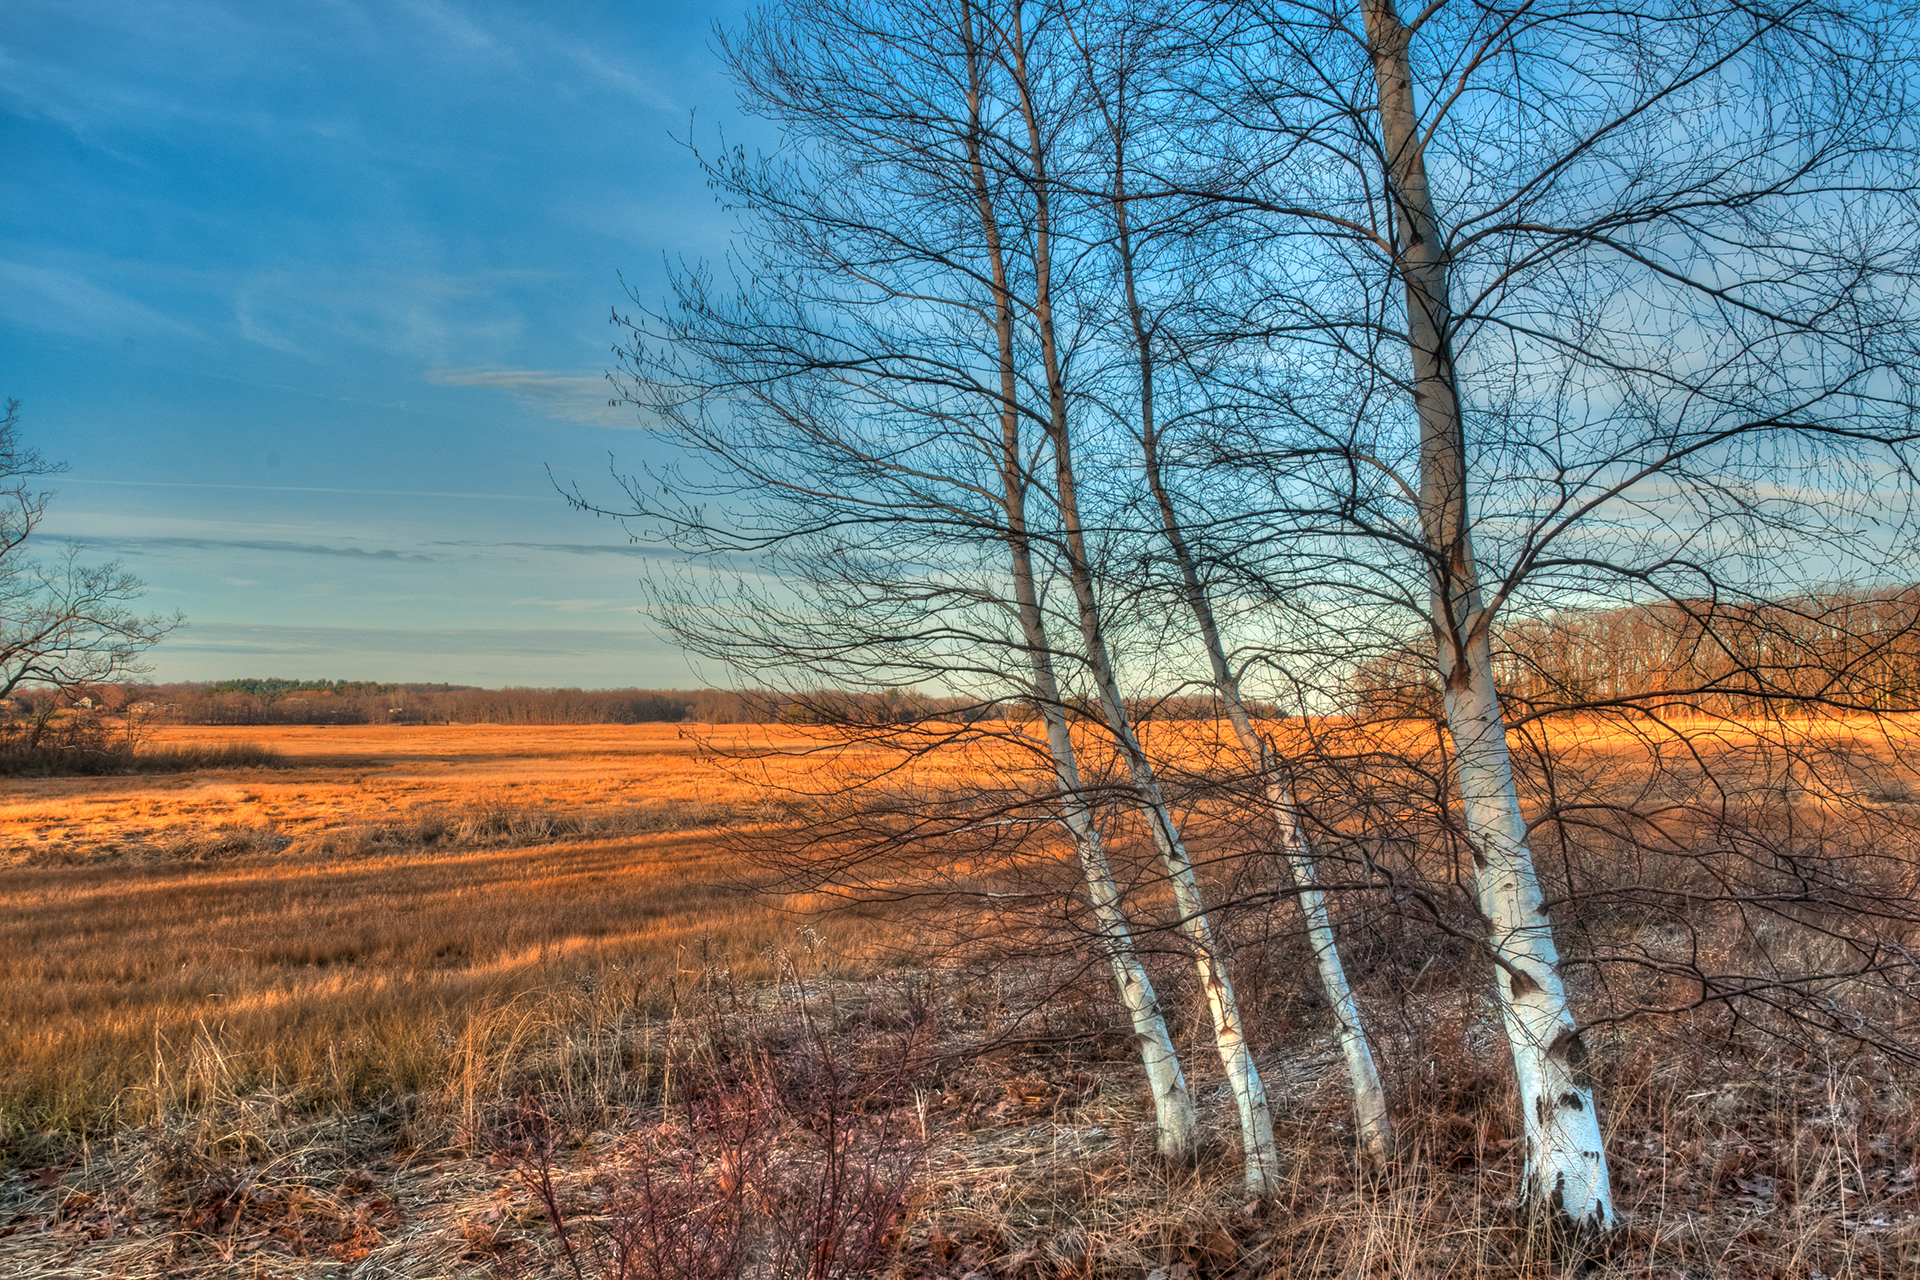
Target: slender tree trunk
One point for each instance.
(1209, 958)
(1373, 1122)
(1566, 1159)
(1176, 1120)
(1243, 1077)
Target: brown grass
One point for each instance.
(292, 1008)
(354, 978)
(350, 926)
(1731, 1157)
(328, 779)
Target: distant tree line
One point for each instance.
(279, 701)
(276, 700)
(1840, 650)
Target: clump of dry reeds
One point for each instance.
(771, 1150)
(87, 747)
(496, 824)
(224, 755)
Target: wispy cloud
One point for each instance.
(579, 397)
(588, 548)
(439, 551)
(576, 606)
(457, 32)
(436, 551)
(589, 59)
(264, 639)
(538, 656)
(62, 302)
(271, 545)
(303, 488)
(305, 305)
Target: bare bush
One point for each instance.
(770, 1155)
(496, 824)
(86, 745)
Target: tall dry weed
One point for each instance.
(770, 1151)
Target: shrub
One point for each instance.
(84, 745)
(764, 1158)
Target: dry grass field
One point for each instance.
(344, 923)
(340, 778)
(394, 1005)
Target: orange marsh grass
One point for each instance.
(351, 970)
(353, 978)
(328, 926)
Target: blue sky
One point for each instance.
(311, 295)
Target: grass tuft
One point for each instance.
(66, 756)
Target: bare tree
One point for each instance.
(63, 622)
(870, 387)
(1120, 96)
(1209, 957)
(1546, 306)
(1481, 317)
(909, 374)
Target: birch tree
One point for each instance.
(1175, 1109)
(952, 153)
(1579, 298)
(1020, 42)
(870, 389)
(1107, 50)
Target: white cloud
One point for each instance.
(484, 656)
(580, 397)
(576, 606)
(458, 32)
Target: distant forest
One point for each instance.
(280, 701)
(1838, 650)
(1834, 650)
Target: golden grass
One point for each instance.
(355, 973)
(290, 1022)
(344, 776)
(322, 923)
(354, 978)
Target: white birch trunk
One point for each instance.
(1209, 960)
(1175, 1118)
(1373, 1123)
(1243, 1077)
(1566, 1159)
